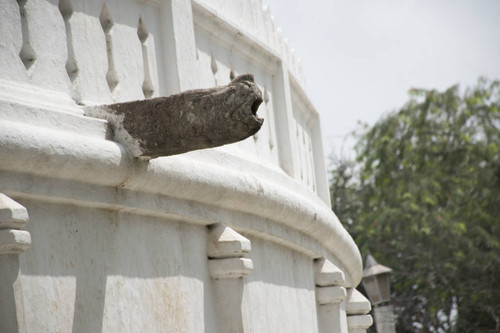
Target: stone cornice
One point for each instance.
(217, 179)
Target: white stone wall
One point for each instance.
(123, 245)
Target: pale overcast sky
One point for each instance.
(360, 57)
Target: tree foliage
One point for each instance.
(423, 196)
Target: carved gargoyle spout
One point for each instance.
(191, 120)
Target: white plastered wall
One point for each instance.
(123, 241)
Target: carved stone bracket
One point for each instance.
(191, 120)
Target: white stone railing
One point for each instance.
(100, 52)
(60, 55)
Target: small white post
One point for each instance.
(330, 295)
(13, 242)
(227, 266)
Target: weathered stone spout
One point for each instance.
(191, 120)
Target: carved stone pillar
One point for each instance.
(357, 308)
(330, 294)
(227, 266)
(13, 242)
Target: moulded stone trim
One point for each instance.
(12, 214)
(330, 295)
(327, 274)
(37, 97)
(27, 54)
(356, 303)
(230, 268)
(224, 242)
(14, 241)
(244, 187)
(359, 322)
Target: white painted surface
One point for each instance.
(120, 244)
(280, 286)
(121, 272)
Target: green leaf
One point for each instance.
(423, 196)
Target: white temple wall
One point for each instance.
(117, 244)
(105, 270)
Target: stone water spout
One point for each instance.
(191, 120)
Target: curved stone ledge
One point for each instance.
(60, 155)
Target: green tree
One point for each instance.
(423, 196)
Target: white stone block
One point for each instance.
(224, 242)
(359, 322)
(12, 214)
(229, 268)
(44, 32)
(330, 295)
(11, 41)
(327, 274)
(14, 241)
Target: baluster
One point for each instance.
(214, 68)
(147, 85)
(27, 54)
(71, 63)
(11, 42)
(107, 25)
(125, 74)
(44, 51)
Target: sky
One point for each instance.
(361, 57)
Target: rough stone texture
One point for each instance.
(191, 120)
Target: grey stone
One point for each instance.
(191, 120)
